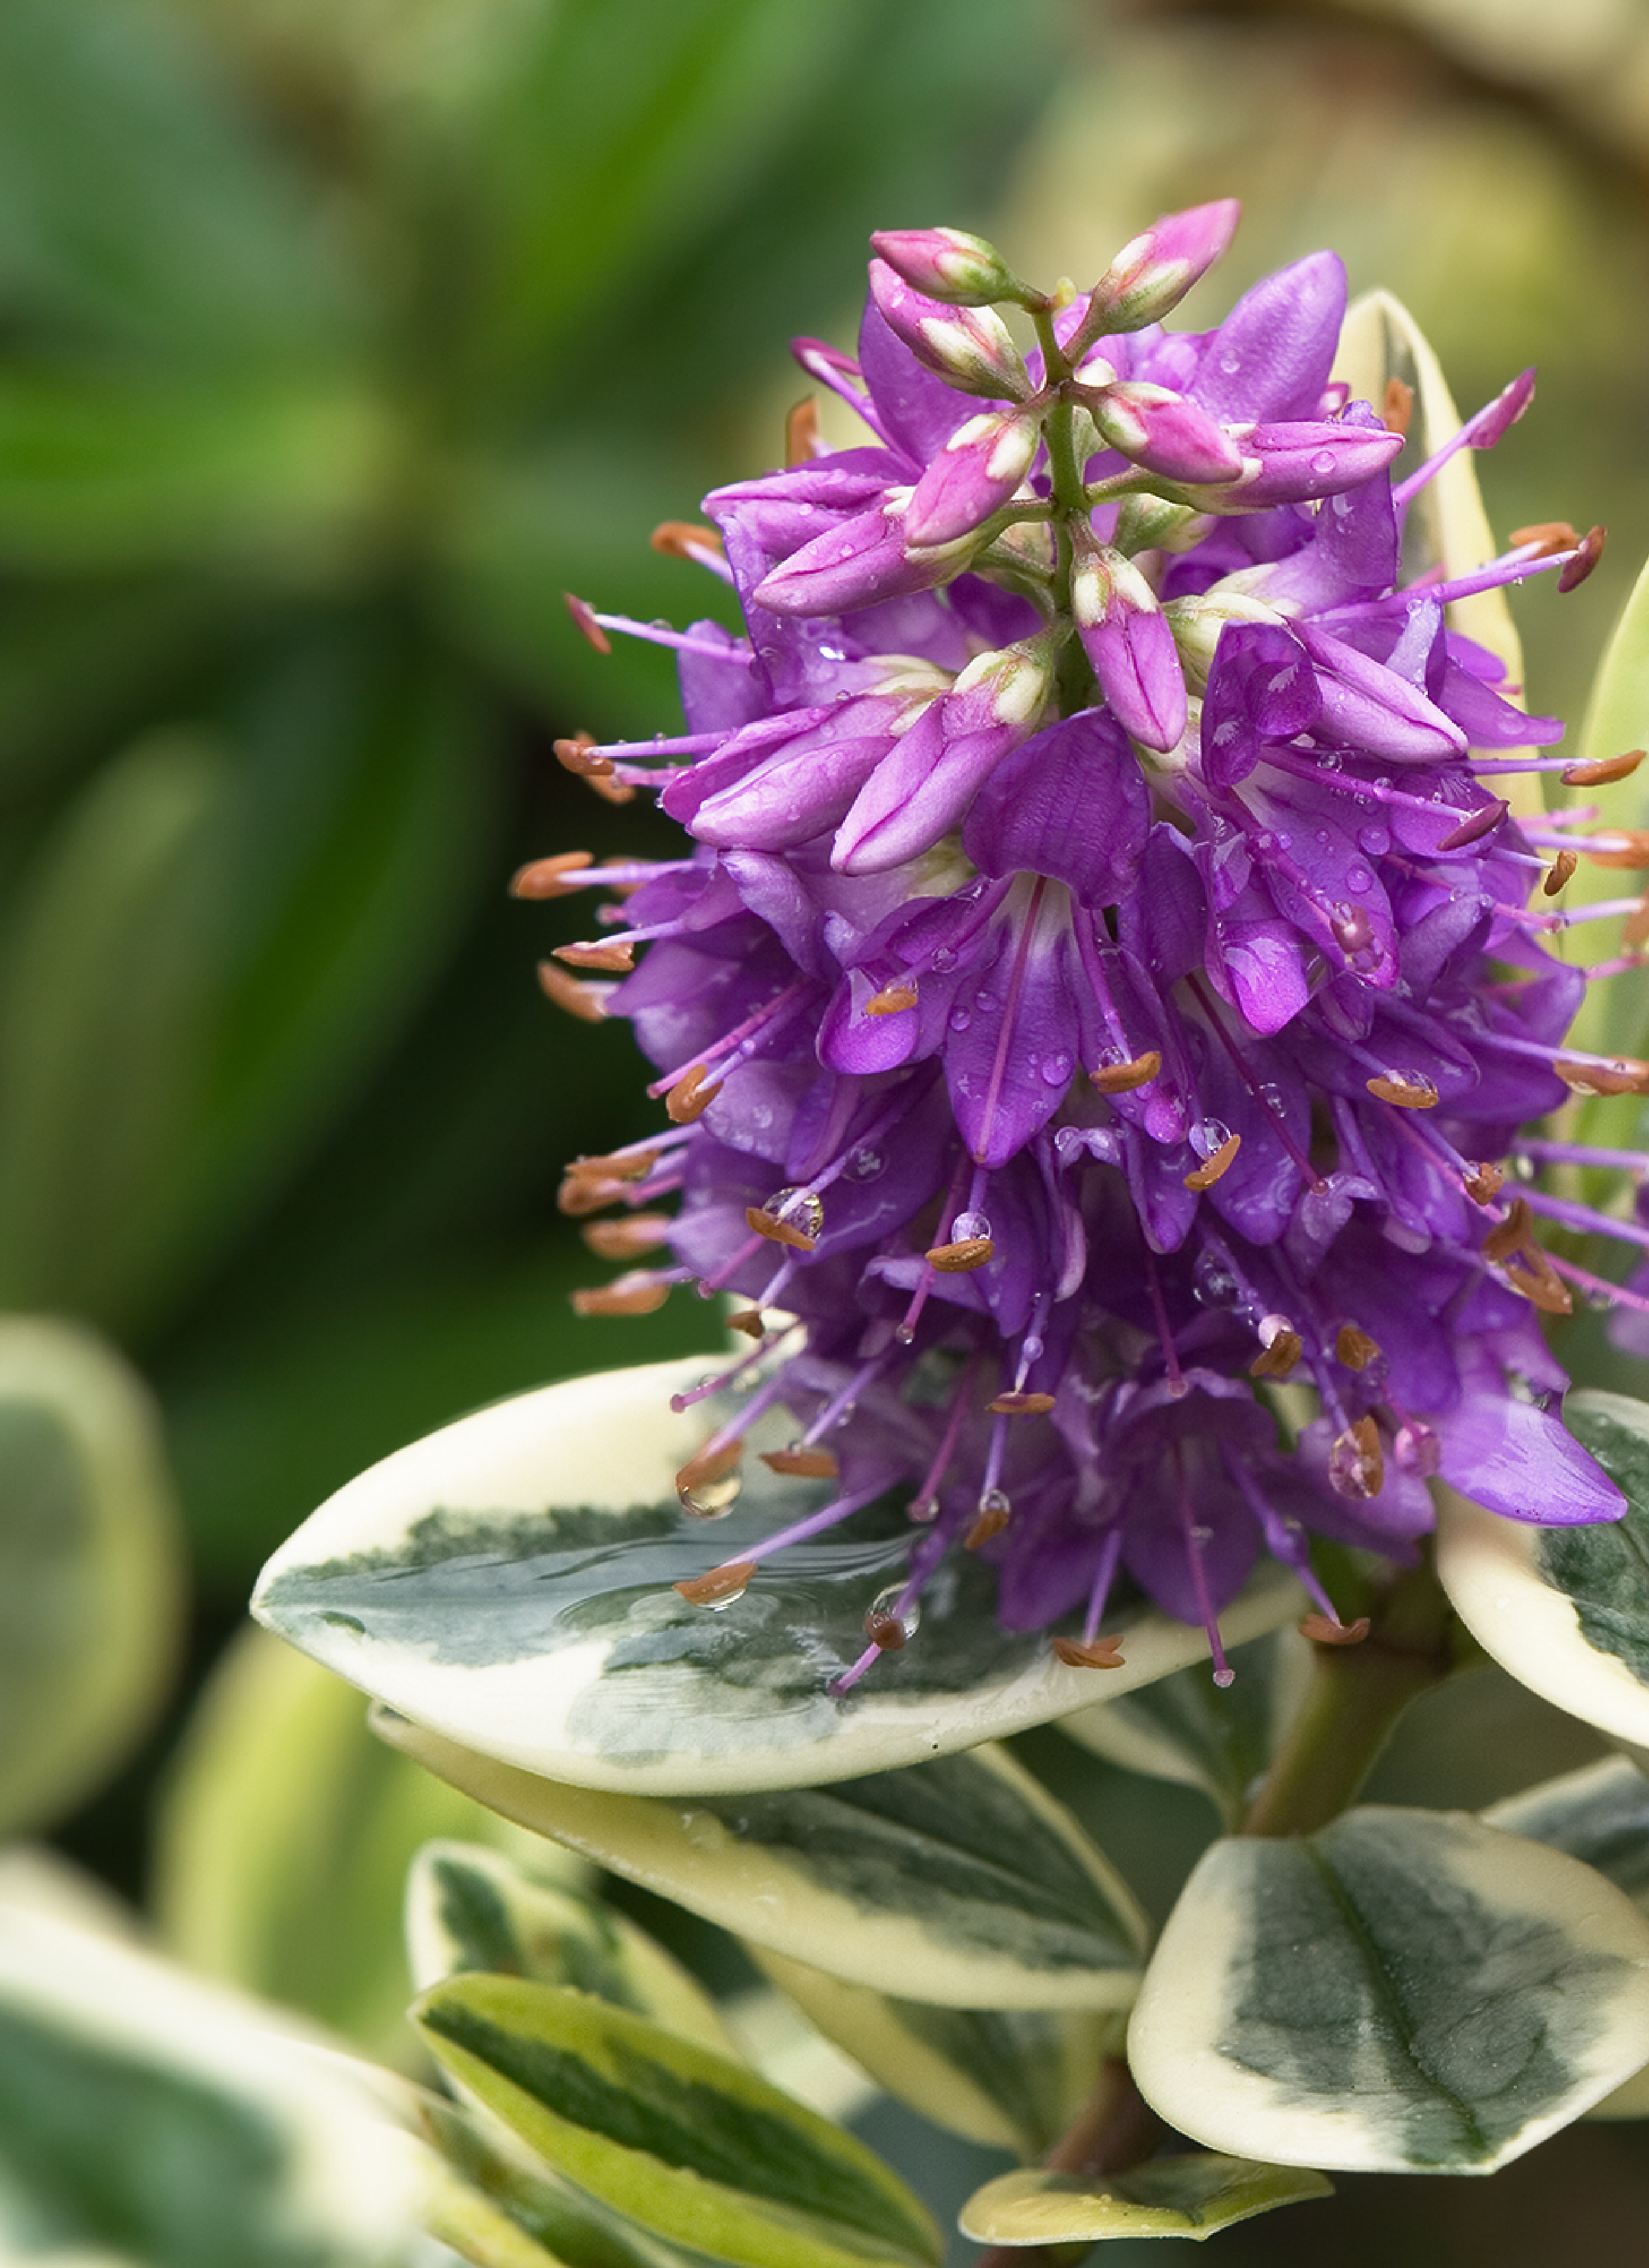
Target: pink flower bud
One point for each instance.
(968, 347)
(1165, 433)
(977, 470)
(857, 563)
(1153, 274)
(948, 264)
(1130, 644)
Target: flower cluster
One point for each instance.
(1100, 986)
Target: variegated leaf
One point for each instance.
(147, 2117)
(1406, 1992)
(472, 1908)
(1011, 2078)
(1566, 1609)
(1194, 2196)
(959, 1882)
(507, 1582)
(689, 2146)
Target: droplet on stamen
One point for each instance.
(1357, 1465)
(1511, 1234)
(1123, 1078)
(1485, 1184)
(749, 1320)
(892, 1000)
(793, 1216)
(707, 1485)
(720, 1586)
(889, 1624)
(1625, 1075)
(1211, 1167)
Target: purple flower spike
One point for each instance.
(947, 263)
(978, 469)
(1099, 982)
(1127, 638)
(1161, 430)
(1149, 276)
(968, 347)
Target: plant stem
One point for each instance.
(1356, 1695)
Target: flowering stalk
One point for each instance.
(1102, 985)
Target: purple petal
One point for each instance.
(1518, 1459)
(1071, 803)
(1271, 356)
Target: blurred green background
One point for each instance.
(336, 338)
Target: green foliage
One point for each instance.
(90, 1566)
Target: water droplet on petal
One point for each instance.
(866, 1165)
(1323, 461)
(961, 1018)
(797, 1208)
(1056, 1067)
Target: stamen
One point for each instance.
(1196, 1540)
(749, 1320)
(726, 1380)
(925, 1505)
(1280, 1345)
(1098, 1594)
(1356, 1464)
(587, 1002)
(957, 1259)
(594, 626)
(707, 1484)
(1581, 1153)
(1483, 822)
(1545, 537)
(689, 1098)
(802, 1464)
(773, 1225)
(626, 1240)
(1354, 1349)
(1603, 769)
(801, 433)
(1596, 1287)
(1538, 1284)
(1585, 558)
(1170, 1353)
(608, 953)
(640, 1293)
(546, 878)
(1583, 1217)
(761, 1019)
(1021, 1405)
(577, 755)
(1485, 1184)
(1397, 406)
(892, 1000)
(1123, 1078)
(829, 1515)
(1004, 1038)
(585, 619)
(700, 547)
(1313, 1179)
(1322, 1632)
(1091, 1653)
(993, 1515)
(1285, 1540)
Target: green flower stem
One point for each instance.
(1115, 2129)
(1356, 1696)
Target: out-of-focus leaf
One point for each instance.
(1611, 1018)
(690, 2146)
(266, 477)
(502, 2207)
(1193, 2196)
(148, 2118)
(1406, 1992)
(283, 1840)
(1013, 2078)
(472, 1908)
(212, 951)
(1566, 1609)
(958, 1882)
(1600, 1815)
(507, 1582)
(90, 1572)
(140, 209)
(1185, 1728)
(617, 128)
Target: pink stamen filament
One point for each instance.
(1282, 1542)
(1616, 1294)
(782, 1005)
(1223, 1675)
(1313, 1180)
(658, 633)
(1004, 1037)
(927, 1495)
(1104, 1576)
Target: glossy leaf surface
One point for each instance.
(469, 1908)
(1566, 1609)
(958, 1882)
(1193, 2196)
(507, 1583)
(687, 2143)
(1405, 1992)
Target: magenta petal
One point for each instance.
(1517, 1460)
(1138, 665)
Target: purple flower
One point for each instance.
(1102, 982)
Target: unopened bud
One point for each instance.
(970, 347)
(1149, 276)
(976, 471)
(1131, 645)
(1163, 431)
(948, 264)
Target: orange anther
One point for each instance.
(957, 1259)
(729, 1582)
(804, 1464)
(1122, 1078)
(1090, 1654)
